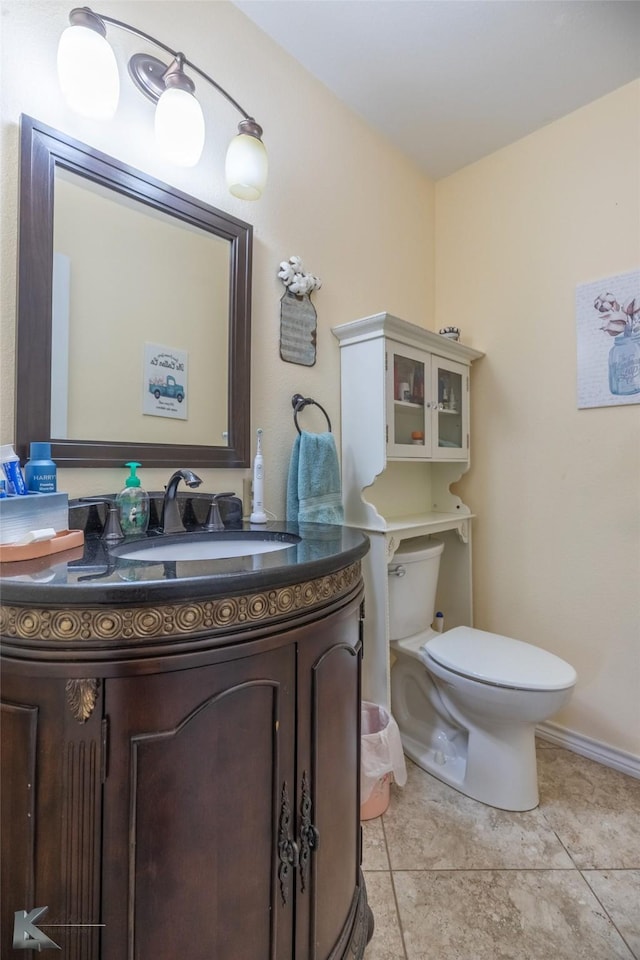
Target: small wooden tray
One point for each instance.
(63, 540)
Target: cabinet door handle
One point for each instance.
(309, 836)
(287, 847)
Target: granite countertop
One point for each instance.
(93, 574)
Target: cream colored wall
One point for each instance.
(358, 213)
(556, 489)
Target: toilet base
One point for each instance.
(502, 780)
(493, 762)
(450, 770)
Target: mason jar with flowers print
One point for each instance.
(623, 323)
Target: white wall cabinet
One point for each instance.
(405, 441)
(427, 405)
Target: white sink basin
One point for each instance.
(198, 547)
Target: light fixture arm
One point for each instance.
(84, 16)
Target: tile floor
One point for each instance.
(451, 879)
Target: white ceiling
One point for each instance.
(450, 81)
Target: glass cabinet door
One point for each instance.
(408, 392)
(449, 409)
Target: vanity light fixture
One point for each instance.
(89, 79)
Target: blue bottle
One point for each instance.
(40, 471)
(11, 468)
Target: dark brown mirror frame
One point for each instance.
(42, 149)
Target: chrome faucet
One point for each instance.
(171, 521)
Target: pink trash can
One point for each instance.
(382, 760)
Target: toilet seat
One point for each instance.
(501, 661)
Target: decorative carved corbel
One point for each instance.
(463, 531)
(81, 698)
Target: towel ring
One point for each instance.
(298, 402)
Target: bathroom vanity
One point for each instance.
(180, 751)
(405, 441)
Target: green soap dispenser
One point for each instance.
(133, 504)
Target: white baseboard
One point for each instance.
(593, 749)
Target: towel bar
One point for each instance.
(298, 402)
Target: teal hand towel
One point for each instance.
(314, 493)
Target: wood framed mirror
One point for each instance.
(118, 272)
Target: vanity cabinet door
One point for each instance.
(199, 792)
(328, 764)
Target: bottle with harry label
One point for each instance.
(40, 472)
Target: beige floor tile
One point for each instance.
(542, 744)
(504, 915)
(386, 943)
(374, 848)
(431, 826)
(594, 810)
(619, 893)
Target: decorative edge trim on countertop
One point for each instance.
(96, 625)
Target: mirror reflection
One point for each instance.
(133, 335)
(139, 322)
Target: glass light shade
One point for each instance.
(88, 73)
(246, 167)
(179, 127)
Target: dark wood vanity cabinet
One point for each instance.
(197, 763)
(208, 805)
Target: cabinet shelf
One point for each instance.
(420, 524)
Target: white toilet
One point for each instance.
(467, 702)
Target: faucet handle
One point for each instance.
(112, 530)
(214, 519)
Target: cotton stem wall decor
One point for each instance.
(298, 318)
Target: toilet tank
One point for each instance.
(412, 593)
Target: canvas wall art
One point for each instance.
(608, 341)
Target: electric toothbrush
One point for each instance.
(258, 515)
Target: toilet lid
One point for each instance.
(500, 660)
